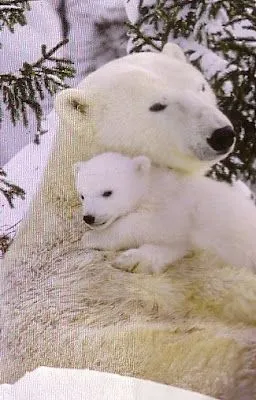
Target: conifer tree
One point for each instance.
(223, 31)
(24, 90)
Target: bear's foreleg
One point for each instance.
(126, 232)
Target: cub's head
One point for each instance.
(111, 185)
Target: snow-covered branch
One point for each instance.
(25, 89)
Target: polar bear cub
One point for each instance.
(158, 215)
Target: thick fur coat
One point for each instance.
(159, 215)
(62, 306)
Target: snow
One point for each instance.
(102, 40)
(70, 384)
(132, 8)
(97, 33)
(25, 169)
(210, 62)
(43, 27)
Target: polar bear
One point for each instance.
(160, 215)
(65, 306)
(174, 118)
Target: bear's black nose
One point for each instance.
(222, 139)
(89, 219)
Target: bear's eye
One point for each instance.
(82, 196)
(157, 107)
(107, 193)
(203, 88)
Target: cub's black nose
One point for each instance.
(222, 139)
(89, 219)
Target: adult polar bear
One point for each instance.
(193, 326)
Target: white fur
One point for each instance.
(100, 175)
(64, 306)
(176, 136)
(160, 215)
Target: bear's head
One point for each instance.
(155, 104)
(111, 185)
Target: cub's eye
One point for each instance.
(107, 193)
(203, 88)
(82, 197)
(157, 107)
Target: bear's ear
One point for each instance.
(142, 164)
(172, 50)
(71, 102)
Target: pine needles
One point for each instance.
(228, 30)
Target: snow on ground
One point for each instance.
(43, 27)
(70, 384)
(97, 34)
(25, 169)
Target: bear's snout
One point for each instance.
(89, 219)
(222, 139)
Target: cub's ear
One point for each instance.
(142, 164)
(76, 167)
(172, 50)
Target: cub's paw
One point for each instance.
(127, 261)
(136, 260)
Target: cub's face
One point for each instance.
(110, 185)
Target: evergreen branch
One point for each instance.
(26, 89)
(234, 85)
(9, 190)
(146, 40)
(239, 39)
(5, 242)
(13, 12)
(13, 2)
(6, 238)
(247, 16)
(48, 55)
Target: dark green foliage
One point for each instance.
(27, 88)
(12, 12)
(9, 190)
(6, 237)
(5, 241)
(228, 29)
